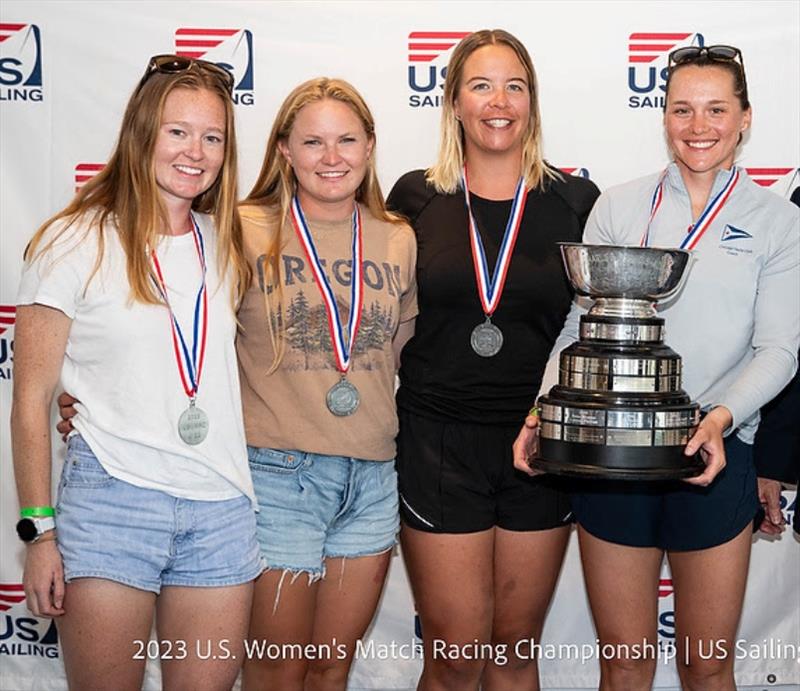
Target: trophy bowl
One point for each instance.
(612, 271)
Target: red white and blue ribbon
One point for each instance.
(342, 348)
(696, 231)
(655, 203)
(491, 290)
(190, 362)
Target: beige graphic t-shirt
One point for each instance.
(286, 409)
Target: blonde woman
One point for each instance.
(127, 297)
(483, 543)
(332, 301)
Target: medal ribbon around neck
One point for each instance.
(190, 364)
(490, 291)
(343, 351)
(711, 211)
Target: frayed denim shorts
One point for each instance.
(314, 506)
(108, 528)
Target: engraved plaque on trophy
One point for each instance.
(618, 411)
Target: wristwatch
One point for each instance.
(31, 529)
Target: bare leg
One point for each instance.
(98, 633)
(210, 624)
(282, 615)
(526, 568)
(709, 591)
(622, 584)
(346, 601)
(452, 579)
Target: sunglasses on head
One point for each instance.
(175, 64)
(681, 56)
(722, 54)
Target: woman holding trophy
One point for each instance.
(736, 324)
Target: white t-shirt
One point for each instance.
(120, 363)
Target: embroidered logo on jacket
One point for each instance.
(730, 233)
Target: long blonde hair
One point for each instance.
(277, 183)
(126, 192)
(445, 174)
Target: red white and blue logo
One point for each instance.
(20, 62)
(8, 314)
(781, 180)
(428, 54)
(647, 64)
(85, 172)
(789, 505)
(231, 49)
(578, 172)
(22, 634)
(666, 610)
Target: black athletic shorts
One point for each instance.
(672, 515)
(460, 478)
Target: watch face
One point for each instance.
(26, 529)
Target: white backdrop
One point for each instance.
(67, 69)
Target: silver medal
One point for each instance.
(193, 425)
(486, 339)
(342, 398)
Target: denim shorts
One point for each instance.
(108, 528)
(315, 506)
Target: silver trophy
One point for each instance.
(618, 410)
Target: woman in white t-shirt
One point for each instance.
(127, 299)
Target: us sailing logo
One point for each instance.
(428, 54)
(20, 62)
(647, 64)
(577, 172)
(8, 314)
(782, 181)
(231, 49)
(85, 172)
(22, 634)
(666, 611)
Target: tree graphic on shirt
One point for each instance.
(308, 334)
(299, 331)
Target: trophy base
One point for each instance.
(617, 462)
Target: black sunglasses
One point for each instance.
(714, 53)
(725, 54)
(175, 64)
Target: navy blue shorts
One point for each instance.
(672, 515)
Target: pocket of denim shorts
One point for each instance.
(274, 460)
(82, 469)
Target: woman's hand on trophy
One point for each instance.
(709, 442)
(66, 409)
(527, 444)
